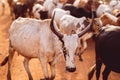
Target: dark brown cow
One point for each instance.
(107, 51)
(19, 10)
(28, 3)
(70, 1)
(78, 12)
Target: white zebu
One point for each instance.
(103, 8)
(59, 13)
(34, 39)
(70, 23)
(115, 4)
(39, 39)
(36, 10)
(50, 5)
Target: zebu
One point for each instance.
(41, 39)
(27, 3)
(107, 51)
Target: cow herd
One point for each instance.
(48, 29)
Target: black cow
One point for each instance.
(107, 47)
(29, 4)
(70, 1)
(43, 15)
(78, 12)
(19, 10)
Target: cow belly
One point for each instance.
(107, 47)
(25, 42)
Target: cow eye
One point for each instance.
(64, 52)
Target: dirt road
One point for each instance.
(18, 71)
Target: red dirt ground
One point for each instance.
(18, 71)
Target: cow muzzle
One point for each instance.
(71, 69)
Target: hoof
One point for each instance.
(80, 59)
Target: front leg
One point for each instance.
(83, 48)
(44, 67)
(105, 73)
(26, 63)
(52, 68)
(84, 43)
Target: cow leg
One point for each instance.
(52, 68)
(44, 67)
(98, 68)
(26, 63)
(84, 43)
(11, 54)
(91, 72)
(83, 48)
(105, 73)
(3, 8)
(11, 12)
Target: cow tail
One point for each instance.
(4, 61)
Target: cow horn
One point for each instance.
(88, 27)
(55, 31)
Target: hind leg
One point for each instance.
(3, 8)
(105, 73)
(98, 67)
(52, 68)
(84, 44)
(83, 48)
(11, 54)
(26, 63)
(91, 72)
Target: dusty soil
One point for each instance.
(18, 71)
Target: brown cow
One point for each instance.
(108, 18)
(28, 3)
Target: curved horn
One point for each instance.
(60, 35)
(88, 27)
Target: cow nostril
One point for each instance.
(71, 69)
